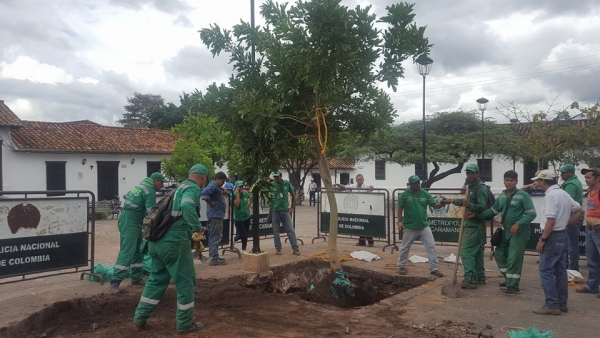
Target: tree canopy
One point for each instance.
(316, 75)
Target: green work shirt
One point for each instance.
(415, 208)
(241, 212)
(478, 199)
(574, 188)
(280, 195)
(521, 210)
(141, 198)
(186, 205)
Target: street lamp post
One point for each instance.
(424, 65)
(482, 104)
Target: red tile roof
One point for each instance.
(8, 118)
(338, 163)
(90, 137)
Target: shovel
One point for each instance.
(453, 290)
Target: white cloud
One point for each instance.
(26, 68)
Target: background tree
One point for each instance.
(139, 110)
(318, 71)
(452, 138)
(555, 135)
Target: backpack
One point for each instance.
(158, 221)
(491, 199)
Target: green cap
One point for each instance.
(472, 168)
(567, 167)
(276, 173)
(239, 183)
(198, 169)
(158, 176)
(414, 179)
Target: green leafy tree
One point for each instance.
(452, 138)
(139, 110)
(316, 76)
(555, 135)
(185, 155)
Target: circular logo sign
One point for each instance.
(350, 202)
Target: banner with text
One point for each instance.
(360, 214)
(264, 228)
(38, 235)
(536, 232)
(445, 221)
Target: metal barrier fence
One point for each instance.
(42, 236)
(362, 213)
(227, 243)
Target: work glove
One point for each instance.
(399, 225)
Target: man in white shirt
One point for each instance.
(360, 180)
(559, 210)
(312, 191)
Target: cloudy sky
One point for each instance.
(64, 60)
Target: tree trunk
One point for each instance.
(334, 258)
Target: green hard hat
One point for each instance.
(158, 176)
(198, 169)
(472, 168)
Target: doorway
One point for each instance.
(317, 178)
(108, 180)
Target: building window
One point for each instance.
(380, 170)
(419, 171)
(152, 167)
(56, 177)
(485, 169)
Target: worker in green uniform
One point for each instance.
(471, 252)
(172, 257)
(136, 205)
(572, 186)
(517, 210)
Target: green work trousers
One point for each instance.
(471, 254)
(130, 260)
(510, 254)
(170, 260)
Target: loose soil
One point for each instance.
(273, 306)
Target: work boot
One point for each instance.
(193, 328)
(467, 285)
(370, 244)
(216, 261)
(296, 252)
(564, 309)
(511, 292)
(402, 271)
(139, 282)
(547, 311)
(437, 273)
(502, 285)
(278, 252)
(481, 282)
(585, 289)
(360, 243)
(114, 287)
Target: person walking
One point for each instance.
(517, 210)
(414, 202)
(213, 195)
(592, 232)
(242, 203)
(137, 203)
(471, 252)
(312, 192)
(360, 185)
(559, 211)
(572, 185)
(172, 257)
(281, 209)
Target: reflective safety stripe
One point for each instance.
(183, 186)
(512, 275)
(128, 202)
(188, 200)
(144, 188)
(137, 265)
(185, 306)
(495, 211)
(518, 196)
(149, 301)
(121, 267)
(503, 270)
(176, 213)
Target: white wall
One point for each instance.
(24, 171)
